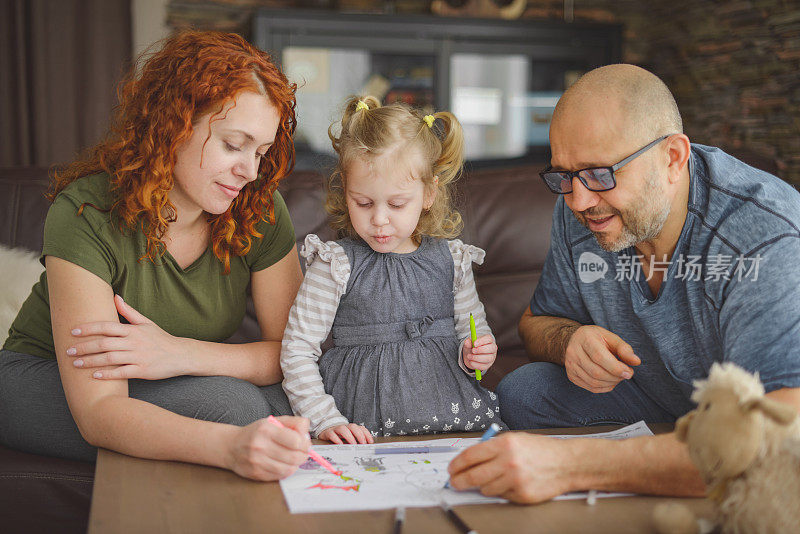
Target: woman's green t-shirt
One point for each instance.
(197, 302)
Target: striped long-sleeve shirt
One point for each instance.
(314, 309)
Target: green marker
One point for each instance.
(474, 337)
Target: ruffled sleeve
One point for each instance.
(463, 257)
(330, 252)
(310, 321)
(465, 295)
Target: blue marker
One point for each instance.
(489, 434)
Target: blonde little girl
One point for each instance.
(396, 293)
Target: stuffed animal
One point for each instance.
(747, 449)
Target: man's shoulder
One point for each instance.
(743, 208)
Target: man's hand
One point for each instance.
(527, 468)
(596, 359)
(523, 468)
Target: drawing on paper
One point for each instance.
(373, 480)
(432, 481)
(311, 465)
(320, 485)
(371, 464)
(351, 483)
(387, 480)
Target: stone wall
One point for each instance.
(732, 64)
(734, 68)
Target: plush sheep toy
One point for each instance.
(747, 448)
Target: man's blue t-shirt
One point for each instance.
(731, 292)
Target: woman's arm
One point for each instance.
(274, 290)
(108, 418)
(143, 350)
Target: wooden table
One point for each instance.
(135, 495)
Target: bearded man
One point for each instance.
(665, 256)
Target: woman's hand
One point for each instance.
(351, 433)
(482, 355)
(264, 451)
(137, 350)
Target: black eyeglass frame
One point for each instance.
(570, 175)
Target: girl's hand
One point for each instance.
(482, 355)
(351, 433)
(137, 350)
(264, 451)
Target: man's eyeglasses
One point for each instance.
(593, 178)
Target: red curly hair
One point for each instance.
(194, 73)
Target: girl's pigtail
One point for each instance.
(441, 219)
(355, 111)
(451, 161)
(350, 131)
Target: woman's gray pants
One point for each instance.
(35, 418)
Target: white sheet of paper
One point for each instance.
(373, 481)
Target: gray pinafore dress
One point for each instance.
(394, 365)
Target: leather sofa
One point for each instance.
(507, 212)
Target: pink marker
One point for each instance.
(314, 456)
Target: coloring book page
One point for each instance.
(389, 475)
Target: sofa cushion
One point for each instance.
(23, 206)
(508, 213)
(43, 494)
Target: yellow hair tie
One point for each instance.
(362, 105)
(429, 120)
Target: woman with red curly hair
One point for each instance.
(165, 223)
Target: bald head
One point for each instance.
(638, 105)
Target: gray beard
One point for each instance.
(637, 229)
(641, 223)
